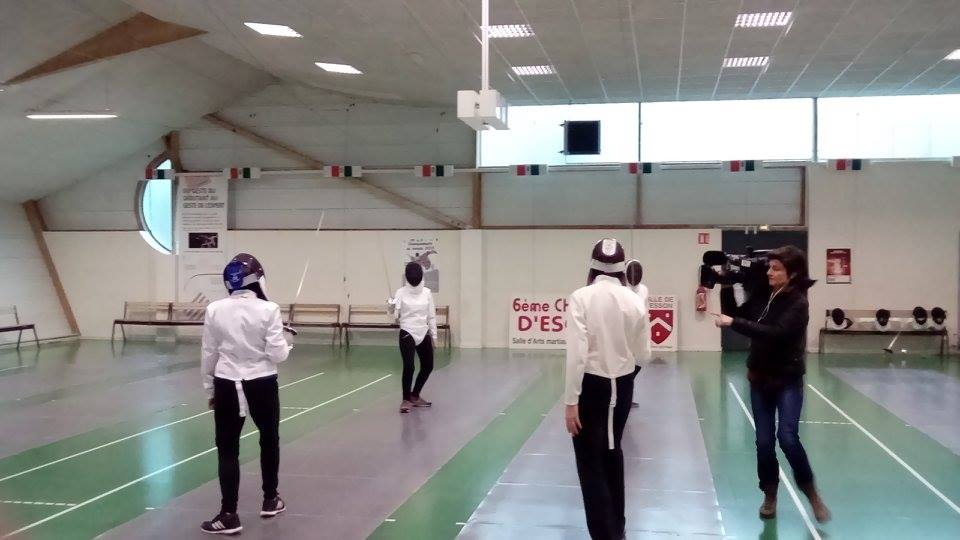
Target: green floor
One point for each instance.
(109, 482)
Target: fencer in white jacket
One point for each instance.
(416, 313)
(243, 342)
(606, 333)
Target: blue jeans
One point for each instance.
(783, 404)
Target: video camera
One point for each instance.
(749, 270)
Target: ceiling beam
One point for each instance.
(138, 32)
(392, 196)
(171, 146)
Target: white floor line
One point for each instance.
(128, 437)
(11, 368)
(177, 464)
(37, 503)
(783, 477)
(890, 452)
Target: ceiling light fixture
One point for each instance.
(534, 70)
(748, 61)
(277, 30)
(339, 68)
(510, 31)
(955, 55)
(69, 116)
(763, 20)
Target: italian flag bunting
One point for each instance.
(846, 164)
(160, 174)
(425, 171)
(637, 168)
(343, 171)
(740, 165)
(234, 173)
(530, 170)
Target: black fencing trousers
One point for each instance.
(263, 404)
(601, 468)
(409, 347)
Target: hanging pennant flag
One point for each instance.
(530, 170)
(343, 171)
(740, 166)
(160, 174)
(234, 173)
(424, 171)
(846, 164)
(637, 168)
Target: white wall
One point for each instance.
(533, 262)
(902, 221)
(101, 270)
(26, 283)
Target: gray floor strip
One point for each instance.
(670, 490)
(344, 481)
(924, 399)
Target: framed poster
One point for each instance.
(838, 265)
(423, 250)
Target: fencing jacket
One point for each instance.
(242, 340)
(415, 311)
(644, 295)
(606, 333)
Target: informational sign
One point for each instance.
(663, 322)
(424, 251)
(200, 233)
(838, 266)
(538, 322)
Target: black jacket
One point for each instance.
(778, 339)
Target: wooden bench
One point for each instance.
(862, 324)
(315, 316)
(374, 317)
(164, 314)
(11, 311)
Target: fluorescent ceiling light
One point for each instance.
(749, 61)
(69, 116)
(763, 20)
(509, 31)
(339, 68)
(955, 55)
(534, 70)
(273, 29)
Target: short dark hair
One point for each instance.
(795, 262)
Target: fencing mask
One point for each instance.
(882, 319)
(938, 316)
(607, 258)
(838, 320)
(245, 272)
(919, 317)
(634, 272)
(413, 273)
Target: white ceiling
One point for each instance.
(153, 91)
(420, 52)
(604, 50)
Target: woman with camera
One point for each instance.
(776, 323)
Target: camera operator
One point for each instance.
(775, 320)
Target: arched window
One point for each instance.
(155, 208)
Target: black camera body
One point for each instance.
(749, 270)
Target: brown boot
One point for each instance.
(768, 510)
(820, 511)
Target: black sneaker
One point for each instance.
(272, 507)
(224, 523)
